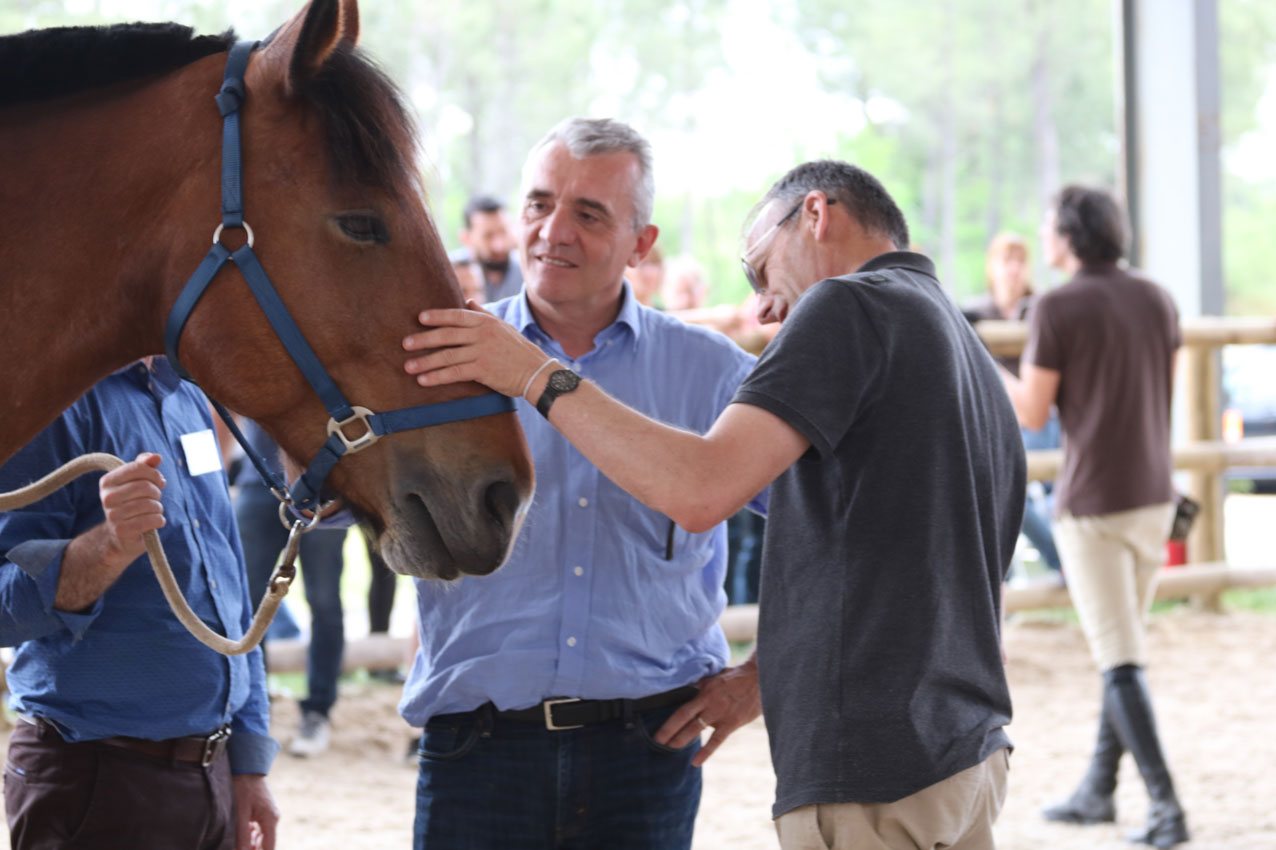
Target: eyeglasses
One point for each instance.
(750, 273)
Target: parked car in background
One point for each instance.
(1249, 389)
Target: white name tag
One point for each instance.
(202, 456)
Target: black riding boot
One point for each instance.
(1127, 702)
(1092, 802)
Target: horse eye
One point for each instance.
(364, 227)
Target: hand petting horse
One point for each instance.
(114, 164)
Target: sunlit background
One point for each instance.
(972, 111)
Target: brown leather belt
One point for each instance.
(202, 750)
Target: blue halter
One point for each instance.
(304, 494)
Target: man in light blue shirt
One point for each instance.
(543, 688)
(119, 703)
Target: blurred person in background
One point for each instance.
(1010, 298)
(684, 286)
(470, 279)
(489, 244)
(647, 278)
(321, 563)
(1101, 347)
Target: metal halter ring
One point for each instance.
(306, 524)
(217, 234)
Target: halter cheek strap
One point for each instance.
(304, 494)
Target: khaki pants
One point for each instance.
(955, 813)
(1112, 562)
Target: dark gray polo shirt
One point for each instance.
(887, 542)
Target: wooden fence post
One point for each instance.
(1201, 385)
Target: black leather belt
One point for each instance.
(570, 713)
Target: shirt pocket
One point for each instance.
(658, 535)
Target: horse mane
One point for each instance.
(371, 139)
(43, 64)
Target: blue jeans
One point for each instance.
(488, 783)
(1036, 515)
(263, 537)
(744, 556)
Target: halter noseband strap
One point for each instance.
(305, 492)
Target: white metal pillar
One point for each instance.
(1171, 141)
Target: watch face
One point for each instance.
(564, 381)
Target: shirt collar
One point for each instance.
(907, 260)
(161, 372)
(630, 316)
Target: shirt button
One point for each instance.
(571, 641)
(181, 463)
(583, 502)
(580, 571)
(212, 583)
(195, 523)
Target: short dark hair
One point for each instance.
(864, 196)
(481, 204)
(1093, 222)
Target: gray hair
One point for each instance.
(585, 137)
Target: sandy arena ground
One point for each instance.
(1211, 675)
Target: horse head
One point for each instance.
(335, 203)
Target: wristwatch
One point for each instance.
(560, 381)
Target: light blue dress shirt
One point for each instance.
(602, 597)
(125, 665)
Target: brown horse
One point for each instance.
(111, 146)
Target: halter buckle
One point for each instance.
(358, 444)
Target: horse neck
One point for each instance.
(107, 195)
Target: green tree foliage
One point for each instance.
(971, 111)
(996, 103)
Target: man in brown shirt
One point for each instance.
(1101, 348)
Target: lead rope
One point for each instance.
(277, 588)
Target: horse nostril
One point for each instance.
(502, 501)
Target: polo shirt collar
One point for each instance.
(907, 260)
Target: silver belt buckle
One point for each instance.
(213, 745)
(549, 713)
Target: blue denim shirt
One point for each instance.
(602, 596)
(125, 665)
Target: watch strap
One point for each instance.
(551, 392)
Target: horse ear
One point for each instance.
(302, 46)
(350, 22)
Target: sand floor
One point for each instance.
(1212, 676)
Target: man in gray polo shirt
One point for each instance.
(899, 482)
